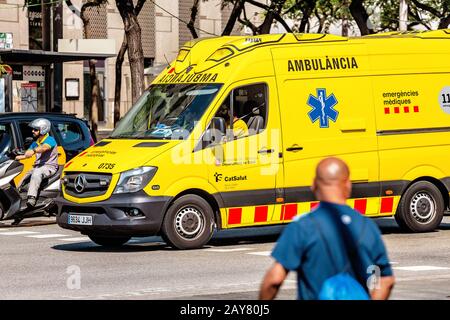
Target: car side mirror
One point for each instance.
(28, 142)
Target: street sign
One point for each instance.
(33, 73)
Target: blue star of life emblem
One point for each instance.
(323, 108)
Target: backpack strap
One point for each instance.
(350, 246)
(327, 247)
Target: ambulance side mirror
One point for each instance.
(215, 132)
(219, 124)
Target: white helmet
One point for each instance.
(41, 124)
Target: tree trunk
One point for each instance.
(191, 23)
(345, 26)
(235, 13)
(308, 9)
(274, 9)
(118, 80)
(135, 52)
(95, 89)
(95, 96)
(361, 17)
(119, 63)
(445, 21)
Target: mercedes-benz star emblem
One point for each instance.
(80, 183)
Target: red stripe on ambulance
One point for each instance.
(68, 164)
(314, 204)
(261, 214)
(387, 205)
(361, 205)
(234, 216)
(288, 211)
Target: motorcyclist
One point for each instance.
(46, 164)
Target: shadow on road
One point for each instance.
(223, 238)
(389, 226)
(128, 247)
(220, 239)
(29, 222)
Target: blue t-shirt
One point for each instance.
(50, 157)
(300, 247)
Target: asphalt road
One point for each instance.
(42, 261)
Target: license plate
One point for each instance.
(77, 219)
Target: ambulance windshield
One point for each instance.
(167, 111)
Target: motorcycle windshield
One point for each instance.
(3, 157)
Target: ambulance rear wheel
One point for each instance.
(188, 223)
(421, 208)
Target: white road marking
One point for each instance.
(228, 250)
(4, 229)
(76, 239)
(45, 236)
(17, 233)
(261, 253)
(393, 262)
(421, 268)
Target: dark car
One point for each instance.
(70, 132)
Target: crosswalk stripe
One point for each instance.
(17, 233)
(261, 253)
(228, 250)
(4, 229)
(421, 268)
(45, 236)
(76, 239)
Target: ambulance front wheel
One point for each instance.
(188, 223)
(421, 208)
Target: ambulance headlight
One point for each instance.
(135, 180)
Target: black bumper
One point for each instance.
(110, 218)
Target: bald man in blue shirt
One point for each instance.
(305, 249)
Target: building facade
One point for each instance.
(60, 28)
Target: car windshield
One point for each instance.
(167, 111)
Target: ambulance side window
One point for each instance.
(244, 111)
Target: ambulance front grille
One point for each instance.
(85, 185)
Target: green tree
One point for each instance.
(427, 11)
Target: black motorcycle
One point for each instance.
(13, 199)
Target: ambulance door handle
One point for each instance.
(294, 148)
(266, 151)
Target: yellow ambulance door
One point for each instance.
(325, 116)
(246, 160)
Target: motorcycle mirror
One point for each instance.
(28, 142)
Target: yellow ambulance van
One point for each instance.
(230, 133)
